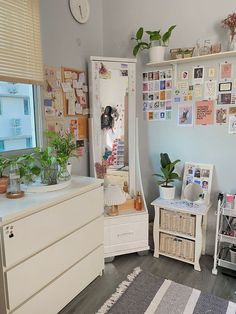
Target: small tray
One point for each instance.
(15, 195)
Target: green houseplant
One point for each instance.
(156, 43)
(4, 163)
(64, 147)
(167, 190)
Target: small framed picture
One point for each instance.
(225, 99)
(225, 87)
(198, 73)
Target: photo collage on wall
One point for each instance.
(200, 174)
(206, 96)
(157, 95)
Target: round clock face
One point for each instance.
(79, 10)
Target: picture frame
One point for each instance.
(225, 87)
(200, 174)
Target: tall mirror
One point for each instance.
(113, 121)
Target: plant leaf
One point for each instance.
(139, 33)
(136, 49)
(167, 35)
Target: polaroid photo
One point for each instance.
(232, 110)
(157, 85)
(156, 95)
(226, 70)
(156, 105)
(225, 87)
(168, 94)
(156, 75)
(205, 173)
(150, 97)
(168, 105)
(162, 105)
(145, 106)
(162, 115)
(150, 105)
(151, 86)
(185, 115)
(162, 95)
(150, 116)
(204, 184)
(211, 73)
(169, 73)
(156, 115)
(162, 75)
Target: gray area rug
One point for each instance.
(143, 292)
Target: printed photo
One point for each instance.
(197, 173)
(205, 185)
(225, 98)
(184, 75)
(145, 87)
(169, 84)
(151, 86)
(145, 76)
(162, 85)
(156, 105)
(162, 105)
(232, 110)
(150, 105)
(189, 180)
(150, 116)
(150, 76)
(221, 115)
(156, 115)
(156, 75)
(185, 115)
(162, 75)
(205, 173)
(198, 73)
(169, 73)
(162, 95)
(197, 182)
(168, 94)
(226, 71)
(156, 96)
(162, 115)
(145, 106)
(168, 105)
(168, 115)
(145, 96)
(157, 85)
(150, 97)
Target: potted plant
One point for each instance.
(48, 163)
(64, 147)
(4, 163)
(167, 190)
(156, 44)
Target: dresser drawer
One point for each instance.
(125, 233)
(37, 231)
(37, 271)
(61, 291)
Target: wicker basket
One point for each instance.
(177, 246)
(177, 222)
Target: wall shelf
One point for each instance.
(194, 59)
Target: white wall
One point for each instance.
(67, 43)
(194, 20)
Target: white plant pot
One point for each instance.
(157, 53)
(167, 193)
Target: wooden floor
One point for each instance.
(90, 300)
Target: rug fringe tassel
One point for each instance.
(119, 291)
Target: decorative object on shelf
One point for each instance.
(206, 48)
(14, 189)
(138, 203)
(4, 163)
(113, 196)
(230, 23)
(49, 165)
(157, 43)
(168, 175)
(179, 53)
(64, 147)
(216, 48)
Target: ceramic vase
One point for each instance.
(157, 53)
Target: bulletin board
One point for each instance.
(65, 103)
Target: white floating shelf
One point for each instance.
(194, 59)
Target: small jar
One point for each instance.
(138, 204)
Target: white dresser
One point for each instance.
(51, 247)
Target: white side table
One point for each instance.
(180, 230)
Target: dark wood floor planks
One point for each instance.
(91, 298)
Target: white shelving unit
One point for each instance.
(220, 257)
(225, 54)
(180, 230)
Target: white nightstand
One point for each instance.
(180, 230)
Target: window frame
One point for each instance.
(38, 119)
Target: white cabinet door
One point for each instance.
(35, 232)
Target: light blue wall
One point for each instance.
(205, 144)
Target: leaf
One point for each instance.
(139, 33)
(136, 49)
(174, 176)
(167, 35)
(158, 175)
(155, 37)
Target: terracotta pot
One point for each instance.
(3, 184)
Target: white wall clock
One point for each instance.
(80, 10)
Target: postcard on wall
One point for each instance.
(198, 74)
(199, 174)
(204, 114)
(232, 110)
(211, 73)
(221, 115)
(210, 90)
(226, 71)
(224, 98)
(185, 115)
(198, 90)
(56, 125)
(232, 124)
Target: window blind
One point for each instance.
(20, 42)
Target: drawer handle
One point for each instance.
(124, 234)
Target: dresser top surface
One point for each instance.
(182, 206)
(15, 209)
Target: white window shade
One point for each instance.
(20, 42)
